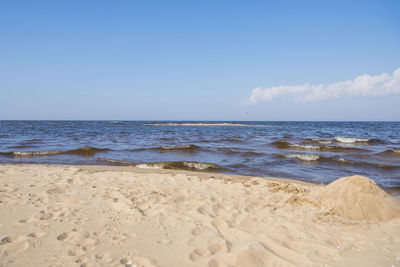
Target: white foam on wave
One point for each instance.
(396, 150)
(305, 147)
(305, 157)
(197, 165)
(322, 141)
(147, 166)
(21, 154)
(350, 140)
(175, 165)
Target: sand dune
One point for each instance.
(125, 216)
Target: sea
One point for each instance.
(310, 151)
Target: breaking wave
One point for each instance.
(322, 148)
(321, 141)
(171, 165)
(180, 165)
(350, 140)
(29, 154)
(303, 157)
(289, 145)
(117, 162)
(85, 151)
(396, 151)
(338, 160)
(354, 140)
(305, 147)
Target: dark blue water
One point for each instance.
(310, 151)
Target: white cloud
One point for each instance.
(365, 85)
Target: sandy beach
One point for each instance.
(126, 216)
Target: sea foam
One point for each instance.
(351, 140)
(304, 157)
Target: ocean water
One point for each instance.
(310, 151)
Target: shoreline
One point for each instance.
(100, 215)
(393, 191)
(203, 175)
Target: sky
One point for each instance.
(200, 60)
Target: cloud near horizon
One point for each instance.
(364, 85)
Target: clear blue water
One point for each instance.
(310, 151)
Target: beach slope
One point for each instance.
(125, 216)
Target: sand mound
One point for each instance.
(358, 198)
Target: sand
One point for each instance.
(125, 216)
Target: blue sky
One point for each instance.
(199, 60)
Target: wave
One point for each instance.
(281, 144)
(308, 147)
(340, 149)
(186, 148)
(166, 149)
(338, 160)
(29, 154)
(305, 147)
(391, 152)
(321, 141)
(362, 163)
(85, 151)
(304, 157)
(396, 151)
(350, 140)
(171, 165)
(228, 151)
(117, 162)
(295, 146)
(180, 165)
(360, 141)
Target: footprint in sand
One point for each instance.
(80, 239)
(138, 262)
(55, 191)
(27, 220)
(12, 239)
(76, 251)
(15, 244)
(53, 213)
(37, 234)
(210, 250)
(121, 238)
(103, 257)
(164, 242)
